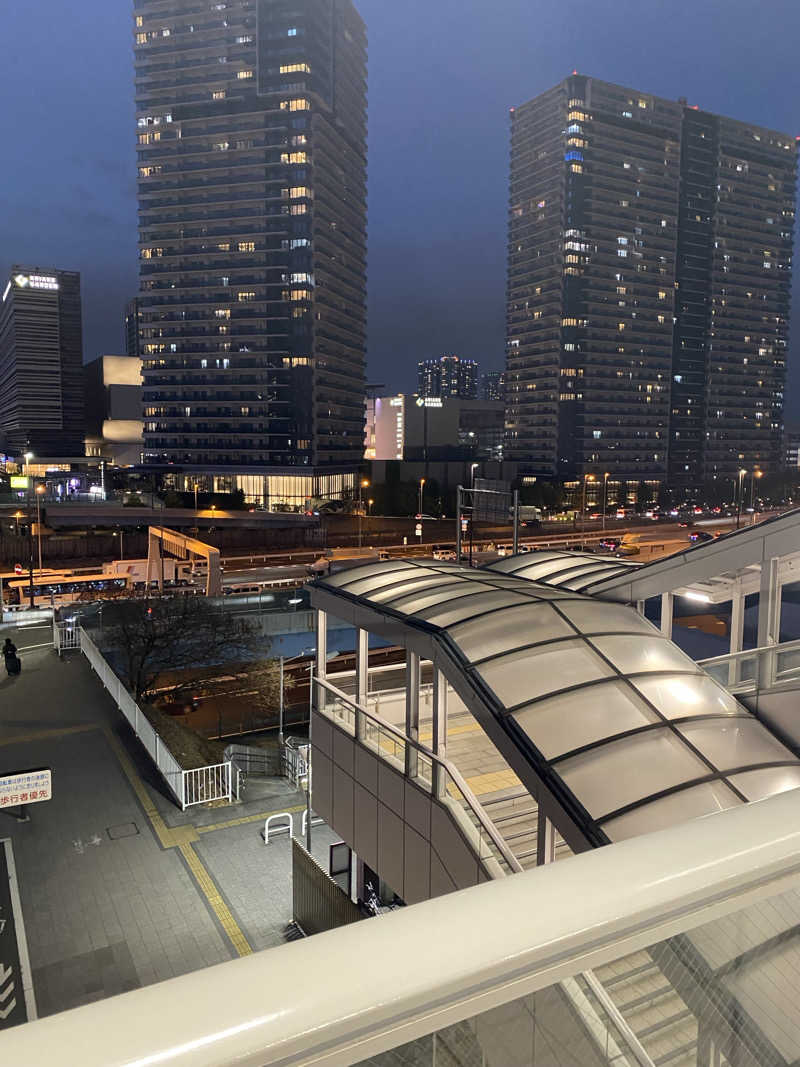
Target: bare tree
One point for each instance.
(179, 633)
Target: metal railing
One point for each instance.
(432, 773)
(756, 668)
(188, 787)
(457, 958)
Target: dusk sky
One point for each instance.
(442, 77)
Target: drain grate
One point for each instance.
(123, 829)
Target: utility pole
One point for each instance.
(742, 473)
(516, 521)
(39, 491)
(458, 524)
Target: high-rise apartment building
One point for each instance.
(41, 363)
(448, 376)
(650, 253)
(493, 385)
(252, 224)
(132, 347)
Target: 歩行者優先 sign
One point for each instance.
(25, 787)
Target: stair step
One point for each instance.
(645, 998)
(617, 979)
(688, 1051)
(663, 1024)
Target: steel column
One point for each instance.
(439, 729)
(545, 840)
(412, 711)
(737, 635)
(362, 676)
(769, 618)
(667, 603)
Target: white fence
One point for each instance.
(188, 787)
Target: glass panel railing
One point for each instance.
(384, 742)
(715, 995)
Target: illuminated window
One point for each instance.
(621, 290)
(243, 297)
(246, 39)
(139, 20)
(662, 295)
(298, 191)
(247, 246)
(222, 313)
(298, 209)
(243, 75)
(661, 319)
(218, 94)
(148, 172)
(224, 246)
(221, 146)
(620, 325)
(294, 157)
(642, 104)
(141, 38)
(292, 32)
(295, 68)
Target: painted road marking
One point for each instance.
(45, 735)
(17, 1003)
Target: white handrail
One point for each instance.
(451, 957)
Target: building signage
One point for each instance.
(36, 281)
(19, 481)
(26, 787)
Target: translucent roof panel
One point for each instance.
(687, 804)
(403, 586)
(757, 785)
(629, 770)
(457, 610)
(680, 697)
(522, 676)
(555, 567)
(570, 721)
(414, 602)
(595, 617)
(636, 653)
(376, 571)
(734, 743)
(489, 635)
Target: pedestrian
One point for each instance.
(13, 665)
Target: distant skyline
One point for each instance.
(442, 78)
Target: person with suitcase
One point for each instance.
(13, 665)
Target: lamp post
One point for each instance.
(586, 478)
(17, 516)
(472, 469)
(121, 545)
(742, 473)
(195, 496)
(369, 506)
(755, 474)
(362, 484)
(28, 458)
(421, 488)
(39, 490)
(605, 499)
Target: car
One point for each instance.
(424, 516)
(444, 552)
(698, 536)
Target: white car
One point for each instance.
(443, 554)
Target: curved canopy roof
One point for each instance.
(567, 570)
(623, 729)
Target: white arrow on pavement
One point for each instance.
(4, 975)
(6, 993)
(5, 1012)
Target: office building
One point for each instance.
(132, 329)
(448, 376)
(493, 386)
(650, 253)
(113, 391)
(252, 211)
(41, 361)
(414, 428)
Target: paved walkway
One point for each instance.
(118, 887)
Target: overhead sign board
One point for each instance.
(26, 787)
(19, 481)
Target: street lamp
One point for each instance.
(742, 473)
(605, 499)
(472, 468)
(369, 506)
(195, 496)
(39, 490)
(586, 478)
(363, 484)
(753, 476)
(421, 487)
(118, 533)
(17, 516)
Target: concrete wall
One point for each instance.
(410, 839)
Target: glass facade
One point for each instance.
(251, 129)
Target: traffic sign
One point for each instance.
(418, 530)
(17, 568)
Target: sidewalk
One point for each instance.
(118, 887)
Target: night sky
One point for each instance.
(443, 74)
